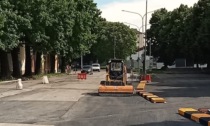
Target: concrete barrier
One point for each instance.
(195, 115)
(19, 85)
(45, 80)
(152, 98)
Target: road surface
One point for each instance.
(67, 101)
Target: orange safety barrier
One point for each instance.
(82, 76)
(146, 78)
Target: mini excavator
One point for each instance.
(116, 80)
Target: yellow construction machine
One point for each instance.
(116, 80)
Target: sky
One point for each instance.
(112, 9)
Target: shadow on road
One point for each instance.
(109, 95)
(91, 94)
(182, 86)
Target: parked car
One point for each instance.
(87, 69)
(96, 67)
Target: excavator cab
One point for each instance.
(116, 70)
(116, 79)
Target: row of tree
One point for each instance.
(68, 28)
(181, 33)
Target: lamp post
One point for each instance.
(114, 48)
(139, 28)
(142, 26)
(145, 51)
(142, 18)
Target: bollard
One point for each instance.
(19, 85)
(45, 80)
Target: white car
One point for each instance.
(96, 67)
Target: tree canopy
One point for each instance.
(113, 35)
(181, 33)
(68, 28)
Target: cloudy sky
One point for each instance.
(111, 9)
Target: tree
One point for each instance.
(10, 25)
(83, 34)
(112, 33)
(203, 37)
(83, 37)
(158, 34)
(194, 35)
(166, 32)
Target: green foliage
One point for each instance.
(86, 18)
(181, 33)
(64, 27)
(110, 33)
(10, 25)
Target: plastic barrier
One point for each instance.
(141, 86)
(82, 76)
(146, 78)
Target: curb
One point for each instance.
(5, 82)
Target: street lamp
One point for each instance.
(145, 39)
(142, 18)
(138, 43)
(133, 25)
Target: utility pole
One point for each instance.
(145, 51)
(81, 60)
(114, 48)
(144, 63)
(139, 41)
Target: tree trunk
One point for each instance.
(28, 71)
(5, 72)
(15, 61)
(38, 63)
(0, 64)
(52, 63)
(63, 64)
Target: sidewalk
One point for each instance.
(44, 104)
(58, 89)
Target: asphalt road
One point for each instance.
(69, 102)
